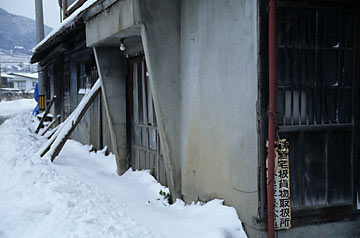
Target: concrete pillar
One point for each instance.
(111, 65)
(160, 34)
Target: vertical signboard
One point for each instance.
(282, 185)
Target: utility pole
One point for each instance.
(39, 37)
(0, 83)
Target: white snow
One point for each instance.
(80, 195)
(7, 75)
(11, 108)
(27, 75)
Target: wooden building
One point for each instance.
(185, 88)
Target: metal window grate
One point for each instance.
(316, 55)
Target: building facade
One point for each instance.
(185, 95)
(25, 82)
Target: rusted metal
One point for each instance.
(272, 116)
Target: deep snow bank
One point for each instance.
(80, 195)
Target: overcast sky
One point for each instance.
(27, 8)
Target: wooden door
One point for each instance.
(143, 134)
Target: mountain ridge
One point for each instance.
(18, 33)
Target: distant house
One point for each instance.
(25, 82)
(7, 90)
(185, 91)
(6, 81)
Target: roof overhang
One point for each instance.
(72, 23)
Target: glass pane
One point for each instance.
(349, 28)
(144, 137)
(135, 94)
(152, 138)
(348, 68)
(345, 105)
(330, 109)
(144, 96)
(137, 135)
(313, 145)
(332, 28)
(331, 68)
(340, 168)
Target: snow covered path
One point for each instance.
(80, 195)
(9, 109)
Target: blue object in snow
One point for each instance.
(36, 92)
(36, 97)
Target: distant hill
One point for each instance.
(18, 33)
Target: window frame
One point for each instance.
(302, 216)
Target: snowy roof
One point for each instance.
(10, 89)
(4, 75)
(26, 75)
(66, 24)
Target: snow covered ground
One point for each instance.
(12, 108)
(80, 194)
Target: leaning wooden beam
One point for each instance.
(70, 126)
(45, 114)
(51, 124)
(51, 138)
(56, 132)
(53, 131)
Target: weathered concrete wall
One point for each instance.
(110, 23)
(111, 66)
(219, 93)
(160, 34)
(158, 24)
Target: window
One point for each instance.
(34, 84)
(316, 103)
(22, 85)
(83, 77)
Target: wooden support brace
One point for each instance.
(45, 114)
(63, 131)
(53, 132)
(73, 126)
(51, 124)
(52, 138)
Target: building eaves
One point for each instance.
(57, 35)
(25, 75)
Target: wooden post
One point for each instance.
(45, 114)
(68, 134)
(51, 124)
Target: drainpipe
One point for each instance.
(39, 36)
(272, 116)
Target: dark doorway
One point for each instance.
(143, 134)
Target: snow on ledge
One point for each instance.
(66, 23)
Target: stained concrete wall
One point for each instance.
(160, 33)
(111, 66)
(202, 59)
(158, 24)
(219, 93)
